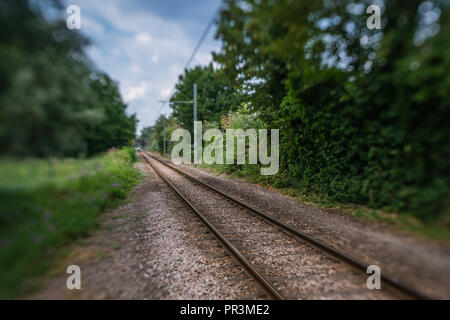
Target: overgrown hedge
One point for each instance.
(363, 113)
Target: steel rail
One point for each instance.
(316, 243)
(258, 275)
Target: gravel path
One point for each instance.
(152, 248)
(298, 270)
(419, 263)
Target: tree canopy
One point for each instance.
(53, 102)
(215, 97)
(362, 113)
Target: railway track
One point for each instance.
(287, 263)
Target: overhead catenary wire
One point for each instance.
(202, 38)
(191, 58)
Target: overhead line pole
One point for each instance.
(195, 126)
(195, 120)
(164, 154)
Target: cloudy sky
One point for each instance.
(144, 45)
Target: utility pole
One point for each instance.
(195, 127)
(195, 119)
(164, 124)
(164, 154)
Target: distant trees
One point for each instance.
(116, 128)
(154, 135)
(215, 98)
(52, 102)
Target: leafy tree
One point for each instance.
(154, 135)
(362, 112)
(214, 97)
(52, 103)
(245, 28)
(116, 129)
(146, 135)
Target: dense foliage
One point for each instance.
(52, 101)
(214, 97)
(154, 135)
(362, 113)
(116, 128)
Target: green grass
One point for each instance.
(45, 205)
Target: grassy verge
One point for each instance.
(404, 221)
(45, 205)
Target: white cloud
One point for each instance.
(144, 52)
(136, 92)
(164, 93)
(143, 38)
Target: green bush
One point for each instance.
(47, 204)
(362, 113)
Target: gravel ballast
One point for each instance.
(298, 270)
(419, 263)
